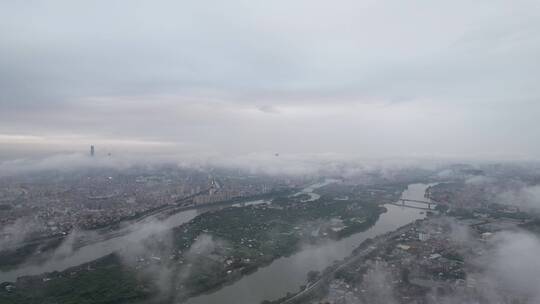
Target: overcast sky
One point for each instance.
(369, 78)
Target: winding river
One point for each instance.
(267, 283)
(289, 273)
(66, 256)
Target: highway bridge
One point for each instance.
(411, 206)
(403, 202)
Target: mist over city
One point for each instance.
(269, 152)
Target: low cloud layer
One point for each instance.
(515, 265)
(14, 234)
(524, 197)
(292, 164)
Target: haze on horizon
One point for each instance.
(364, 78)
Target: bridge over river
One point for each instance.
(404, 202)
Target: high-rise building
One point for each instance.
(92, 151)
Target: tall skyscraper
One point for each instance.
(92, 151)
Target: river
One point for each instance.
(66, 256)
(289, 273)
(310, 189)
(270, 282)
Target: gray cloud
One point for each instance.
(255, 163)
(515, 264)
(366, 77)
(523, 196)
(378, 286)
(16, 233)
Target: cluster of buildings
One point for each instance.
(420, 263)
(55, 203)
(403, 267)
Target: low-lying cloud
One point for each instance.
(272, 163)
(525, 197)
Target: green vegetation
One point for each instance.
(213, 249)
(250, 237)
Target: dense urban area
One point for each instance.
(191, 232)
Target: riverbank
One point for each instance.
(222, 250)
(243, 239)
(292, 271)
(318, 286)
(40, 250)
